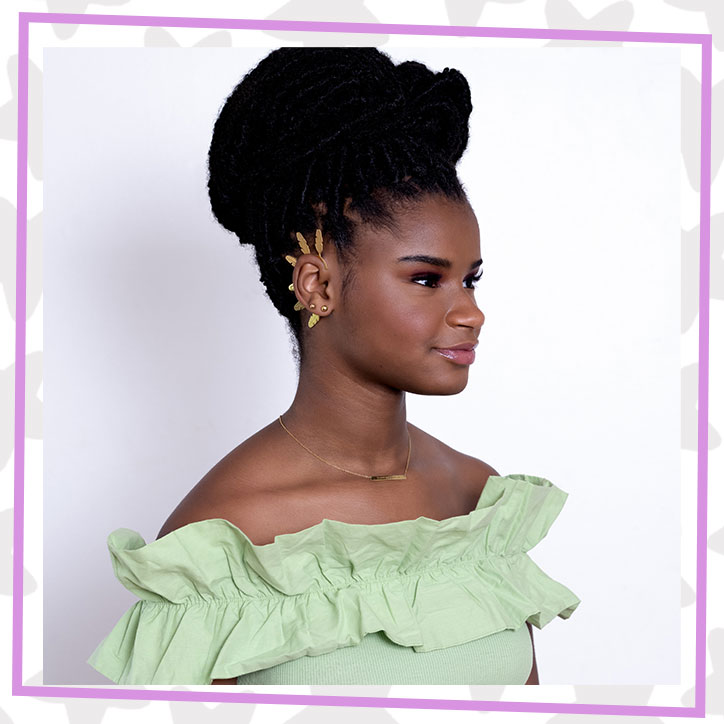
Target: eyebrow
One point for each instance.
(435, 260)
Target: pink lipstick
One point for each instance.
(462, 354)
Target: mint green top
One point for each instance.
(505, 657)
(350, 603)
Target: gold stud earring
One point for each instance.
(324, 307)
(312, 306)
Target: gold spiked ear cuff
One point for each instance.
(318, 246)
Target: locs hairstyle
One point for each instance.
(309, 128)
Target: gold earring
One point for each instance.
(318, 244)
(303, 244)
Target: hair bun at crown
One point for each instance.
(438, 107)
(300, 104)
(430, 107)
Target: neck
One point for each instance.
(357, 426)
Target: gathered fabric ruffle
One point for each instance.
(213, 605)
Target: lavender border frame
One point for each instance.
(704, 40)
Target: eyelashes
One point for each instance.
(433, 279)
(474, 279)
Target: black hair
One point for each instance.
(308, 128)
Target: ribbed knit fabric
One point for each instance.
(501, 658)
(213, 605)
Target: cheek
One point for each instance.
(381, 312)
(404, 320)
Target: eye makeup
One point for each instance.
(434, 279)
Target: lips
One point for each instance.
(462, 354)
(461, 345)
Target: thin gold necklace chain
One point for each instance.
(359, 475)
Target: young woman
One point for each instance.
(341, 544)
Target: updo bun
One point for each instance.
(308, 128)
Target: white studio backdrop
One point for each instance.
(162, 352)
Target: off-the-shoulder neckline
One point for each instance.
(390, 525)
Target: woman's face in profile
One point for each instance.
(412, 297)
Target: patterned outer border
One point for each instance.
(610, 25)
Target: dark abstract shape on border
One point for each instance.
(713, 11)
(485, 692)
(191, 712)
(715, 681)
(85, 711)
(67, 30)
(691, 127)
(9, 114)
(6, 559)
(313, 714)
(690, 412)
(562, 15)
(623, 695)
(353, 11)
(161, 38)
(33, 404)
(34, 407)
(689, 277)
(716, 541)
(688, 596)
(34, 260)
(690, 269)
(468, 12)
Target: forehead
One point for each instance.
(434, 225)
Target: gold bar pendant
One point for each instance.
(388, 477)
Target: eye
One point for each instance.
(472, 281)
(431, 278)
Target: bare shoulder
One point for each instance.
(264, 489)
(243, 488)
(472, 472)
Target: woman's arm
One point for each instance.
(224, 681)
(533, 678)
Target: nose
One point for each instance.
(464, 312)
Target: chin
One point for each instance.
(454, 390)
(441, 387)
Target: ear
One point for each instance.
(317, 285)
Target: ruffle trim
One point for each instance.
(215, 606)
